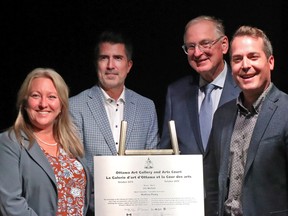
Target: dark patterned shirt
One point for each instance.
(240, 141)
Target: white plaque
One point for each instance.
(150, 185)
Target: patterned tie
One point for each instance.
(206, 114)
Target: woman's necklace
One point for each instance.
(48, 144)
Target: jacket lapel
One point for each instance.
(38, 156)
(100, 116)
(192, 107)
(129, 112)
(225, 139)
(223, 153)
(267, 111)
(230, 89)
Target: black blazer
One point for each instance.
(265, 187)
(182, 107)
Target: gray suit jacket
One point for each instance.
(88, 111)
(27, 181)
(265, 188)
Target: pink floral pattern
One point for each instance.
(71, 184)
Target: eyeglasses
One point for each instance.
(203, 46)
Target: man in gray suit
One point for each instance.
(98, 111)
(249, 136)
(205, 44)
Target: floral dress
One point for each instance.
(71, 184)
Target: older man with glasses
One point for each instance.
(192, 100)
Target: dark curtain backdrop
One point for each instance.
(61, 35)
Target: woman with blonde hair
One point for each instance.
(41, 165)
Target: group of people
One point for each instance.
(46, 157)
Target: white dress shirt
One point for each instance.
(115, 110)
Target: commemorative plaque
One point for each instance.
(156, 185)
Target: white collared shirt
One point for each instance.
(216, 93)
(115, 112)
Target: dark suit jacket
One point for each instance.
(27, 180)
(182, 107)
(265, 187)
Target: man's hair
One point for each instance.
(255, 33)
(219, 27)
(114, 37)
